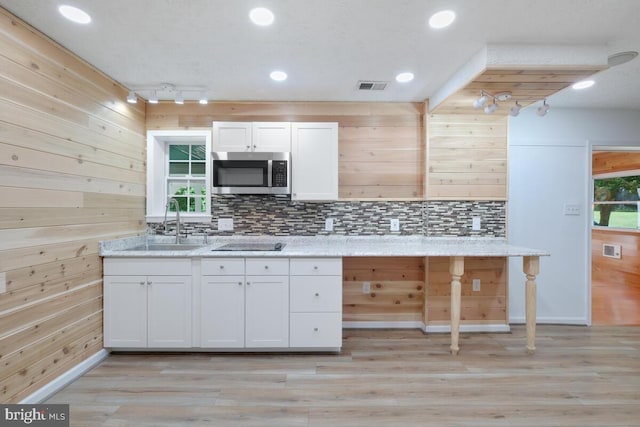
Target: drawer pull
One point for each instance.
(142, 283)
(248, 283)
(239, 283)
(315, 267)
(222, 267)
(149, 283)
(317, 294)
(266, 267)
(315, 329)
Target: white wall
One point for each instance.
(549, 167)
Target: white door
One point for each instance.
(271, 136)
(314, 161)
(267, 311)
(169, 311)
(222, 312)
(125, 311)
(232, 136)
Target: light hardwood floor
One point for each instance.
(615, 303)
(579, 376)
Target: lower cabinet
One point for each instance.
(230, 303)
(245, 304)
(147, 311)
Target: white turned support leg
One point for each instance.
(456, 269)
(531, 267)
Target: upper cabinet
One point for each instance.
(314, 161)
(252, 136)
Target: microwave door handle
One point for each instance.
(269, 173)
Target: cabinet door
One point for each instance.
(222, 312)
(271, 136)
(232, 136)
(125, 311)
(267, 311)
(169, 311)
(314, 161)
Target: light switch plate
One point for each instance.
(225, 224)
(570, 209)
(475, 285)
(395, 224)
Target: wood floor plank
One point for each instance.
(579, 376)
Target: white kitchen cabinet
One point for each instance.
(314, 161)
(147, 311)
(245, 303)
(316, 303)
(252, 136)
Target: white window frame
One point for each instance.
(158, 171)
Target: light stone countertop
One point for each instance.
(325, 246)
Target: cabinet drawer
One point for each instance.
(316, 266)
(222, 266)
(267, 266)
(147, 266)
(316, 293)
(315, 330)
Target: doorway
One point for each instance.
(615, 237)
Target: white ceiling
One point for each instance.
(326, 46)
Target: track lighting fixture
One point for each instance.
(131, 98)
(499, 97)
(168, 91)
(543, 109)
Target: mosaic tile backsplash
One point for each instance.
(271, 215)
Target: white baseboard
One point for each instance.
(383, 325)
(581, 321)
(500, 327)
(63, 380)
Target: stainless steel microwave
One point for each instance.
(251, 173)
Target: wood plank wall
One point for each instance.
(72, 173)
(466, 157)
(381, 144)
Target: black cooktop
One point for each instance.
(248, 246)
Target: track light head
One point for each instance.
(131, 98)
(515, 110)
(179, 98)
(543, 109)
(489, 109)
(153, 98)
(203, 99)
(480, 102)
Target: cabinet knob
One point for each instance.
(315, 267)
(248, 146)
(149, 283)
(254, 146)
(315, 329)
(239, 283)
(266, 267)
(248, 283)
(317, 294)
(142, 283)
(222, 267)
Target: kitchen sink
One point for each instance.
(166, 247)
(251, 246)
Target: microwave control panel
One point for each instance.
(279, 173)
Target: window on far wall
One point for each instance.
(186, 178)
(616, 200)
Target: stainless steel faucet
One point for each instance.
(166, 210)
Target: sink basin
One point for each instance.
(166, 247)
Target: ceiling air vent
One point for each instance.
(371, 85)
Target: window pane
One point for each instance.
(198, 152)
(198, 169)
(178, 152)
(180, 169)
(623, 215)
(618, 189)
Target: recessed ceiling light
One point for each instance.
(583, 84)
(278, 76)
(621, 58)
(404, 77)
(74, 14)
(261, 16)
(442, 19)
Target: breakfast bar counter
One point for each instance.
(456, 248)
